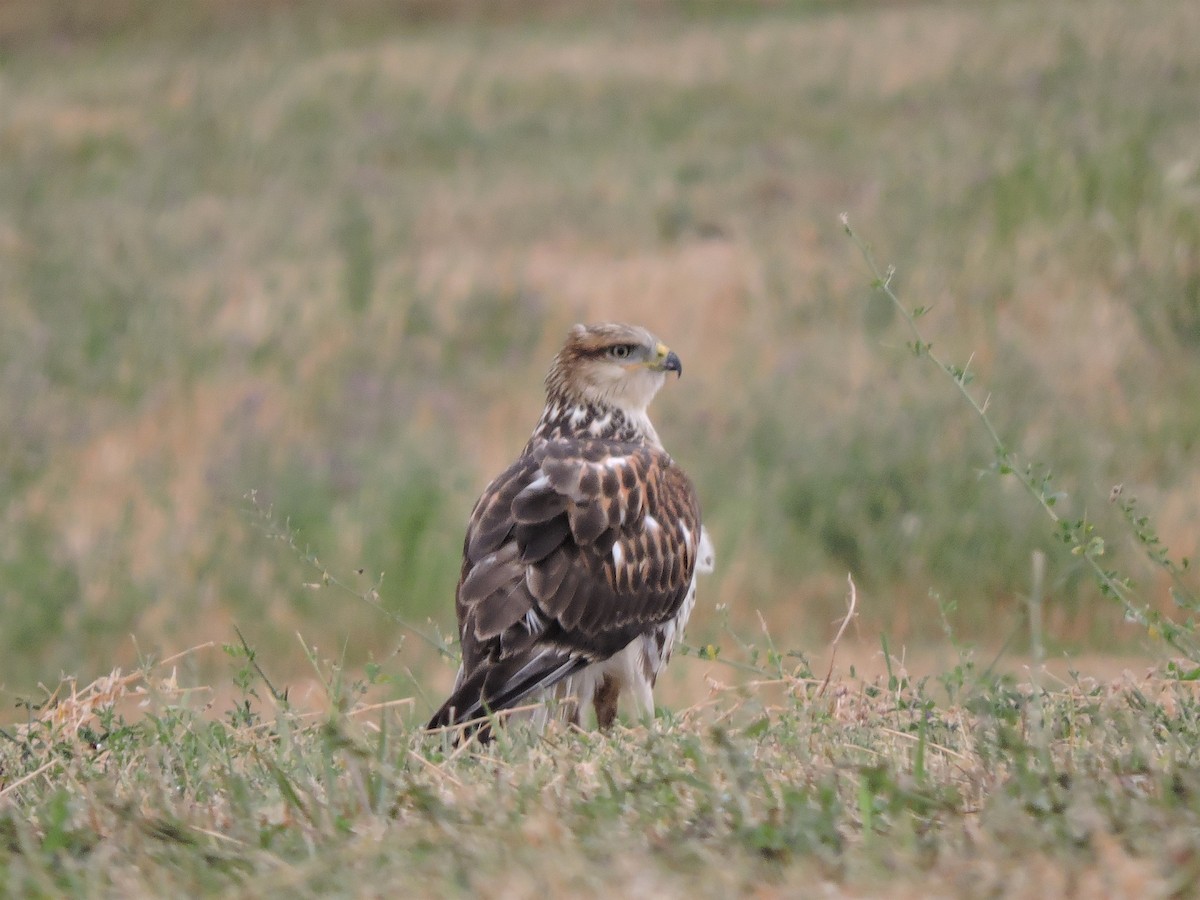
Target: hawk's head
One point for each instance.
(612, 365)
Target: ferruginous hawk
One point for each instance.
(580, 561)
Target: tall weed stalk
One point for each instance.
(1079, 533)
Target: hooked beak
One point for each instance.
(672, 364)
(666, 360)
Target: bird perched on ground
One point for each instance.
(580, 560)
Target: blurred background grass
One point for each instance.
(326, 253)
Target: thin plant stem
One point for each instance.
(1080, 533)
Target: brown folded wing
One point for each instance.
(575, 550)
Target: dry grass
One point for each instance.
(1006, 789)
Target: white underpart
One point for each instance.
(628, 669)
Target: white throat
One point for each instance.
(631, 394)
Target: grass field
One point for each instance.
(966, 784)
(279, 285)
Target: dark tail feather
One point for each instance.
(500, 686)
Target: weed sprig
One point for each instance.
(1036, 478)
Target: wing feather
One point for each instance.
(544, 580)
(563, 536)
(538, 502)
(494, 571)
(501, 610)
(538, 540)
(588, 521)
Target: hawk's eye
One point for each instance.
(621, 351)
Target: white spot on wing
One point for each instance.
(686, 532)
(578, 414)
(615, 462)
(618, 554)
(651, 523)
